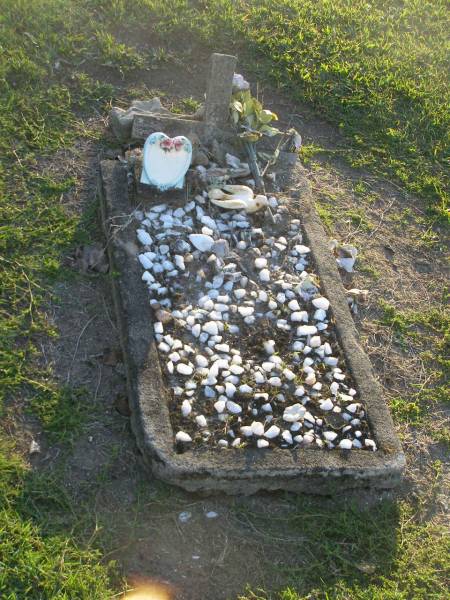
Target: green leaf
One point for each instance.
(269, 131)
(265, 116)
(236, 105)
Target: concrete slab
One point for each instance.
(238, 471)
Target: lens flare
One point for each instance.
(150, 591)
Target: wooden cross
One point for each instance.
(214, 124)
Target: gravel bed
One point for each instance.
(245, 338)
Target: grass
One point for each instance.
(362, 554)
(378, 70)
(375, 70)
(426, 334)
(37, 559)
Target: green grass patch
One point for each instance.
(376, 70)
(380, 553)
(38, 562)
(358, 219)
(326, 215)
(428, 333)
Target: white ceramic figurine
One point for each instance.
(237, 197)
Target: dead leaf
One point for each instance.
(366, 568)
(122, 406)
(112, 356)
(388, 252)
(90, 259)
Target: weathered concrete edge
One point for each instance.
(245, 471)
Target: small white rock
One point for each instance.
(202, 242)
(287, 436)
(183, 437)
(257, 428)
(327, 405)
(184, 369)
(345, 444)
(264, 275)
(186, 408)
(272, 432)
(322, 303)
(201, 420)
(260, 262)
(233, 407)
(144, 237)
(220, 405)
(306, 330)
(294, 412)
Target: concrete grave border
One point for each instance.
(237, 471)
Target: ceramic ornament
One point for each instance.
(237, 197)
(166, 161)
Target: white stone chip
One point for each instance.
(202, 242)
(345, 444)
(183, 437)
(264, 275)
(233, 407)
(144, 237)
(321, 303)
(294, 413)
(272, 432)
(186, 408)
(184, 369)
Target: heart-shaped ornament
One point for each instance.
(166, 161)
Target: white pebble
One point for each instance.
(327, 405)
(260, 262)
(269, 346)
(186, 408)
(287, 436)
(233, 407)
(306, 330)
(322, 303)
(211, 328)
(290, 375)
(245, 389)
(370, 444)
(144, 237)
(202, 242)
(264, 275)
(201, 361)
(257, 428)
(272, 432)
(182, 436)
(201, 421)
(294, 413)
(220, 405)
(184, 369)
(315, 341)
(345, 444)
(246, 311)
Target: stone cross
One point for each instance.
(219, 88)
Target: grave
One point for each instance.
(244, 369)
